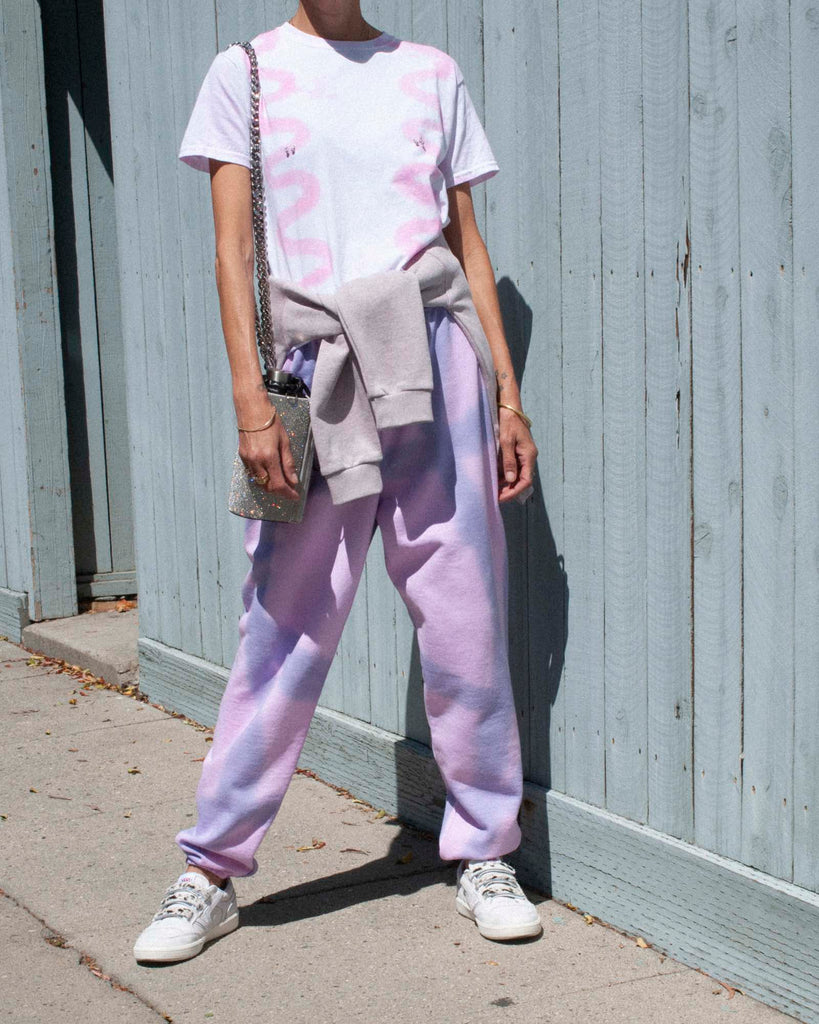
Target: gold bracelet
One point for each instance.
(519, 412)
(253, 430)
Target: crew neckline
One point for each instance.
(335, 44)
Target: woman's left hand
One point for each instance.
(517, 455)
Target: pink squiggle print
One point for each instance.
(442, 67)
(285, 80)
(267, 41)
(306, 201)
(297, 135)
(413, 178)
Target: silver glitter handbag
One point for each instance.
(288, 393)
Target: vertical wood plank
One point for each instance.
(393, 16)
(49, 551)
(429, 23)
(208, 372)
(582, 687)
(177, 514)
(385, 690)
(766, 293)
(123, 28)
(239, 21)
(355, 658)
(102, 212)
(667, 282)
(804, 82)
(332, 694)
(717, 427)
(511, 215)
(16, 575)
(623, 409)
(464, 42)
(542, 396)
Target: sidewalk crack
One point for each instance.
(85, 960)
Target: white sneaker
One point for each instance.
(192, 912)
(489, 894)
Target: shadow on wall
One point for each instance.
(538, 607)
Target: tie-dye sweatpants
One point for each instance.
(445, 551)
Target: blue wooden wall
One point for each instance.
(654, 233)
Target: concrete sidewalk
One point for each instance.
(350, 917)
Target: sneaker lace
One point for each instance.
(181, 901)
(496, 878)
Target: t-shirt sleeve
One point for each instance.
(469, 156)
(219, 125)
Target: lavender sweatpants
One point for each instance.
(445, 551)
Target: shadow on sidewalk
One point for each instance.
(374, 880)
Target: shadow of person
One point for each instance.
(393, 874)
(410, 864)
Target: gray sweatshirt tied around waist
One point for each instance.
(373, 368)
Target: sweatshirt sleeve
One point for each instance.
(468, 156)
(219, 125)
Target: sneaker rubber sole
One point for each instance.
(499, 933)
(169, 954)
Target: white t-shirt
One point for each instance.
(360, 141)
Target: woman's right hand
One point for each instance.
(268, 452)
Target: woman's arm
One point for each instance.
(263, 451)
(518, 450)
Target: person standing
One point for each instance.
(370, 146)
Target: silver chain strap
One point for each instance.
(264, 329)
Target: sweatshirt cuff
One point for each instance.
(402, 407)
(354, 482)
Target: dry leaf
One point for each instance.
(127, 814)
(379, 814)
(492, 963)
(197, 759)
(73, 750)
(72, 700)
(588, 919)
(641, 942)
(31, 789)
(134, 771)
(352, 849)
(316, 845)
